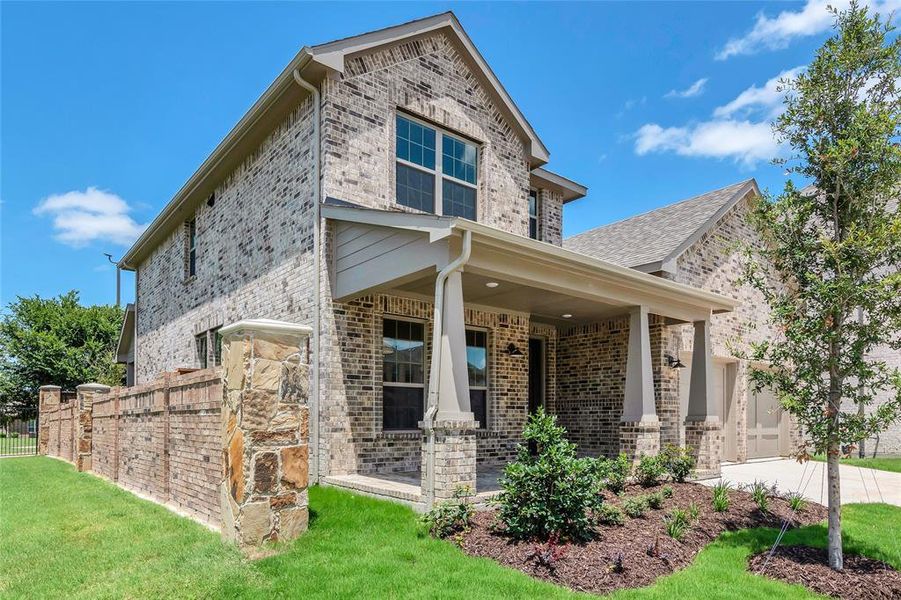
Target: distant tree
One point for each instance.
(837, 245)
(55, 341)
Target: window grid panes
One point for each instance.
(533, 214)
(201, 349)
(459, 200)
(403, 387)
(415, 188)
(192, 247)
(477, 368)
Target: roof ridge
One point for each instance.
(386, 28)
(665, 206)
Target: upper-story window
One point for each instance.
(447, 186)
(533, 214)
(191, 248)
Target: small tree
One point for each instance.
(837, 246)
(55, 341)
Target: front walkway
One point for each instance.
(858, 484)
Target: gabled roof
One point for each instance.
(569, 189)
(650, 242)
(314, 63)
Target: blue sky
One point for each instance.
(108, 108)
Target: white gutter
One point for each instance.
(435, 367)
(317, 251)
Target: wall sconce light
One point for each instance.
(512, 350)
(673, 362)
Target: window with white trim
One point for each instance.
(403, 381)
(533, 214)
(191, 248)
(447, 186)
(477, 367)
(200, 347)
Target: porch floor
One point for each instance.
(405, 486)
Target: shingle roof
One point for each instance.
(656, 236)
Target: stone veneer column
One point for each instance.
(639, 429)
(83, 423)
(265, 430)
(48, 399)
(702, 425)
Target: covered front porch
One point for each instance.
(583, 338)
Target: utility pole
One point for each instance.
(109, 257)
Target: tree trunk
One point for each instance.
(836, 560)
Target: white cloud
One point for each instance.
(695, 89)
(777, 32)
(767, 98)
(743, 141)
(80, 218)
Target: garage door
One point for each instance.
(722, 389)
(764, 424)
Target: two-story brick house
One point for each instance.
(387, 191)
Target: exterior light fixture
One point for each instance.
(673, 362)
(492, 284)
(566, 316)
(512, 350)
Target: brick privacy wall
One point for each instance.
(58, 419)
(254, 254)
(352, 420)
(160, 439)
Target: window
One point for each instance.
(448, 185)
(533, 214)
(217, 346)
(403, 384)
(477, 366)
(191, 259)
(200, 347)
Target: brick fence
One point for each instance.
(227, 447)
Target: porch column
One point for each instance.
(449, 450)
(639, 429)
(702, 425)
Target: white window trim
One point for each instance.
(488, 370)
(537, 213)
(425, 374)
(438, 171)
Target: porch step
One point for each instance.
(379, 488)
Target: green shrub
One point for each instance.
(635, 506)
(678, 462)
(608, 514)
(694, 512)
(2, 434)
(796, 501)
(14, 434)
(667, 491)
(451, 516)
(655, 500)
(615, 473)
(676, 523)
(550, 491)
(649, 471)
(760, 494)
(721, 496)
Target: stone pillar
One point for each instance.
(639, 429)
(449, 448)
(702, 425)
(83, 423)
(48, 401)
(265, 430)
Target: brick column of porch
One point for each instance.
(639, 429)
(703, 430)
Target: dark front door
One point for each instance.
(536, 374)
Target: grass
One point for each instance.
(75, 536)
(892, 464)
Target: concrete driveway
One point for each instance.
(857, 484)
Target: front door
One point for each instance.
(536, 374)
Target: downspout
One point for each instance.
(317, 251)
(435, 367)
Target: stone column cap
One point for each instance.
(92, 387)
(271, 326)
(50, 387)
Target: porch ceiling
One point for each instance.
(378, 251)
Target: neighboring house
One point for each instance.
(377, 175)
(698, 242)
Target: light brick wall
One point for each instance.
(550, 217)
(254, 254)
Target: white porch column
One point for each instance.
(453, 378)
(702, 425)
(639, 426)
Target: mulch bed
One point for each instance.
(594, 566)
(862, 578)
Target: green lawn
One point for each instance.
(68, 534)
(881, 464)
